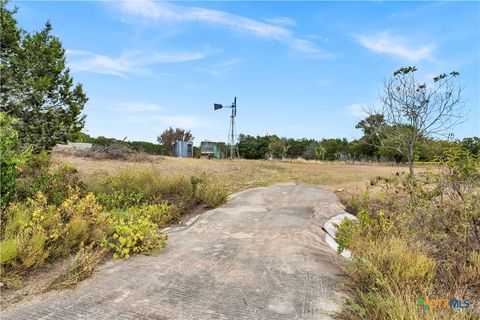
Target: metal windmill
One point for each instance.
(232, 131)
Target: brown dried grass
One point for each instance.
(238, 175)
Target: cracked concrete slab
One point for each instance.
(261, 256)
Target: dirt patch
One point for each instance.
(190, 214)
(32, 284)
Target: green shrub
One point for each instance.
(160, 214)
(85, 222)
(36, 164)
(120, 199)
(135, 232)
(24, 218)
(36, 231)
(28, 230)
(12, 156)
(344, 234)
(382, 306)
(394, 261)
(54, 184)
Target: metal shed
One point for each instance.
(183, 149)
(210, 150)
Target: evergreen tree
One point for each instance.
(36, 86)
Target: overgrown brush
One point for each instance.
(36, 232)
(386, 276)
(128, 188)
(416, 238)
(53, 216)
(37, 176)
(210, 194)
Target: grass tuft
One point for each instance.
(80, 266)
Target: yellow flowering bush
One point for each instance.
(136, 230)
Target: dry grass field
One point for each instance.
(238, 175)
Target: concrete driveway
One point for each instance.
(261, 256)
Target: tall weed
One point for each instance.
(419, 238)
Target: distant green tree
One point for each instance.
(334, 148)
(355, 150)
(138, 146)
(431, 149)
(313, 151)
(251, 147)
(36, 86)
(472, 144)
(197, 152)
(81, 137)
(297, 147)
(278, 147)
(368, 145)
(320, 152)
(147, 147)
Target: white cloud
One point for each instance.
(218, 69)
(161, 11)
(213, 72)
(282, 21)
(133, 106)
(229, 63)
(131, 62)
(397, 46)
(307, 47)
(356, 110)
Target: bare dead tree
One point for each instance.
(413, 110)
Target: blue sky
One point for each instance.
(298, 69)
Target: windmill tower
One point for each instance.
(232, 131)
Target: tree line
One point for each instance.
(274, 147)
